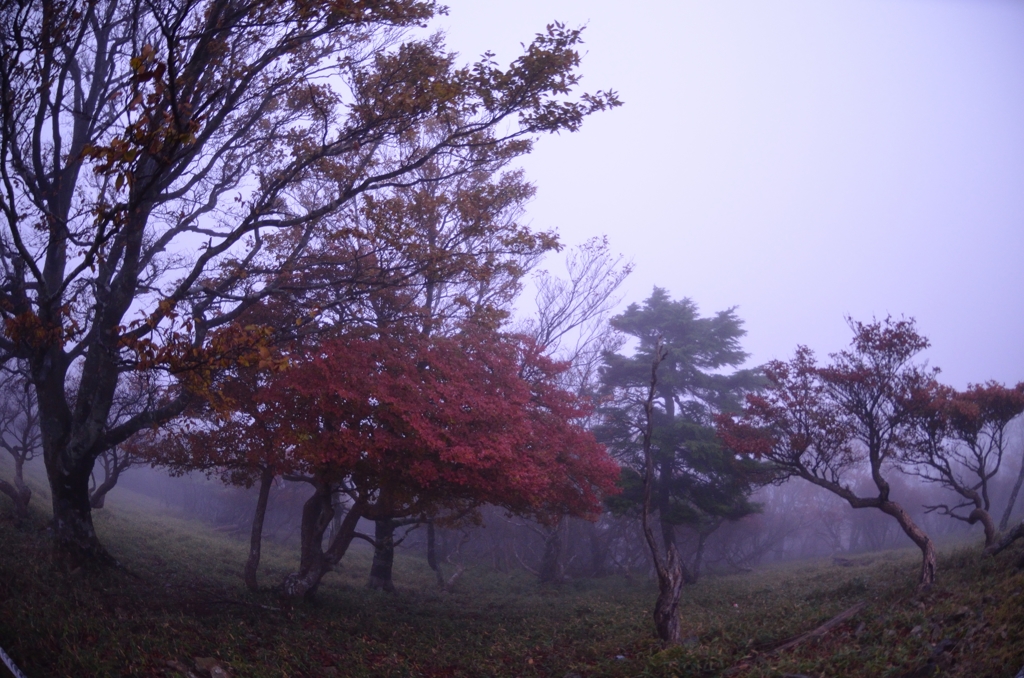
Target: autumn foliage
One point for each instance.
(853, 415)
(433, 422)
(426, 422)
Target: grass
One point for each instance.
(183, 599)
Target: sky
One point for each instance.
(801, 160)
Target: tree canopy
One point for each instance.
(165, 166)
(854, 414)
(697, 482)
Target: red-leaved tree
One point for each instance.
(406, 425)
(962, 437)
(826, 423)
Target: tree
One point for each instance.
(571, 322)
(165, 165)
(19, 435)
(1012, 500)
(423, 258)
(571, 327)
(658, 422)
(826, 423)
(415, 426)
(697, 483)
(668, 565)
(962, 437)
(114, 462)
(229, 434)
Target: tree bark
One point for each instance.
(1008, 538)
(1005, 521)
(315, 562)
(256, 537)
(919, 537)
(670, 589)
(383, 556)
(981, 515)
(317, 513)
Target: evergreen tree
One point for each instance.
(697, 484)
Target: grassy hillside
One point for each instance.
(181, 607)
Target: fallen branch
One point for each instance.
(823, 629)
(789, 644)
(1010, 537)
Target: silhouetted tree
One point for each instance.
(20, 436)
(697, 482)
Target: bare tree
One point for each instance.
(19, 435)
(571, 325)
(572, 312)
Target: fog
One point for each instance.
(800, 160)
(280, 283)
(796, 521)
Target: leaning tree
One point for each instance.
(827, 423)
(164, 165)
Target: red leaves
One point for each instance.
(426, 423)
(816, 420)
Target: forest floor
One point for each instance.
(179, 609)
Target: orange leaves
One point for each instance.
(29, 330)
(196, 366)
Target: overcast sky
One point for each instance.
(802, 160)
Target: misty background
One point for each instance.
(800, 160)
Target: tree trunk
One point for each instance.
(19, 492)
(383, 555)
(919, 537)
(670, 589)
(1005, 521)
(315, 562)
(317, 513)
(98, 496)
(549, 564)
(669, 567)
(598, 551)
(986, 521)
(432, 553)
(75, 540)
(256, 536)
(1004, 543)
(698, 558)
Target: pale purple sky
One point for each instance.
(801, 160)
